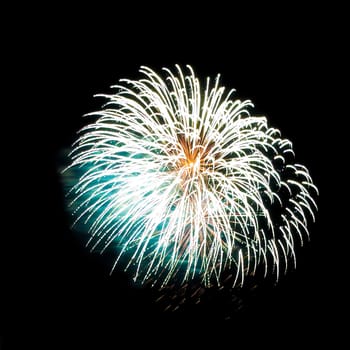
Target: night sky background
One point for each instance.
(282, 63)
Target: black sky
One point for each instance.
(280, 62)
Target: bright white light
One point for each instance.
(187, 183)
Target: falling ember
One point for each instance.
(184, 184)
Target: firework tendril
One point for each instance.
(183, 183)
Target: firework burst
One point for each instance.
(185, 184)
